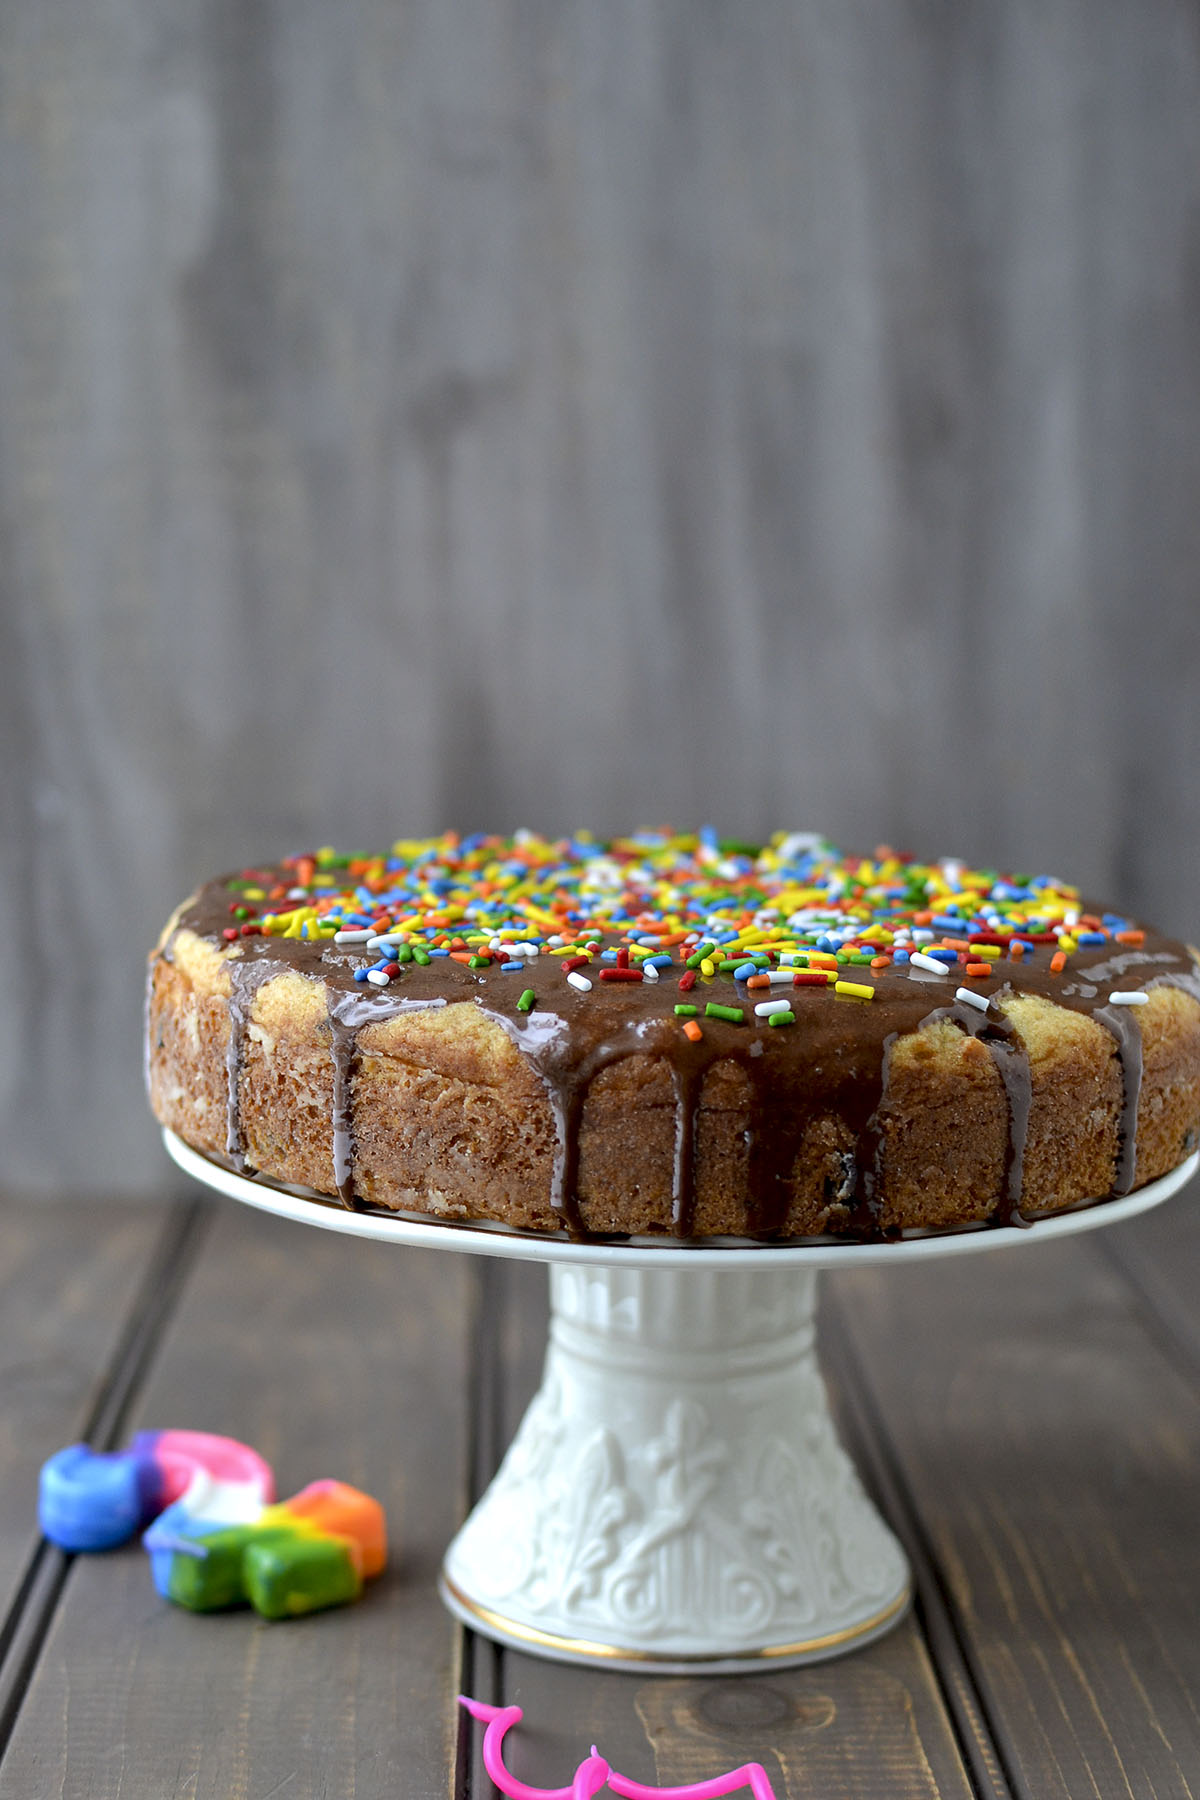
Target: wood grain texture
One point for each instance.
(1049, 1447)
(331, 1359)
(446, 411)
(68, 1280)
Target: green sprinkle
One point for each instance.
(403, 953)
(686, 1012)
(698, 954)
(782, 1018)
(422, 957)
(480, 962)
(525, 1003)
(734, 1014)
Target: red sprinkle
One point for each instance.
(575, 962)
(252, 931)
(230, 934)
(619, 974)
(622, 958)
(687, 981)
(810, 978)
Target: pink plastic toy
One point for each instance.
(594, 1772)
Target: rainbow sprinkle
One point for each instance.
(794, 911)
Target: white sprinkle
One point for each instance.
(353, 937)
(979, 1001)
(779, 977)
(382, 943)
(1133, 998)
(377, 978)
(929, 963)
(1070, 919)
(579, 981)
(921, 936)
(765, 1008)
(649, 972)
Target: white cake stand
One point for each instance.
(676, 1498)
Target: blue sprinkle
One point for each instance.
(608, 956)
(744, 971)
(946, 956)
(901, 956)
(1091, 937)
(506, 968)
(360, 974)
(433, 952)
(657, 962)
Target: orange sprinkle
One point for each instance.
(979, 969)
(692, 1030)
(923, 918)
(881, 962)
(759, 981)
(955, 944)
(1058, 962)
(1016, 951)
(462, 956)
(1131, 937)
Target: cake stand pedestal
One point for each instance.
(676, 1498)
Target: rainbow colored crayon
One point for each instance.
(95, 1499)
(312, 1551)
(205, 1506)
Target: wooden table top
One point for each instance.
(1029, 1422)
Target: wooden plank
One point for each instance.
(1050, 1450)
(1159, 1254)
(69, 1274)
(872, 1725)
(332, 1357)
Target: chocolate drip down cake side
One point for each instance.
(676, 1036)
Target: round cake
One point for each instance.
(675, 1035)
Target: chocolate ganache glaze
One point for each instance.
(801, 894)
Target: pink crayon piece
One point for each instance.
(594, 1772)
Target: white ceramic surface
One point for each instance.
(676, 1497)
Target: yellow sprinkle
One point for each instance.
(987, 952)
(855, 989)
(708, 966)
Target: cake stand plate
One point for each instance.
(676, 1499)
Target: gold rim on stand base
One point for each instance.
(564, 1649)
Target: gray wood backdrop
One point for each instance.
(559, 412)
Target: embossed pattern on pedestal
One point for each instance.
(681, 1499)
